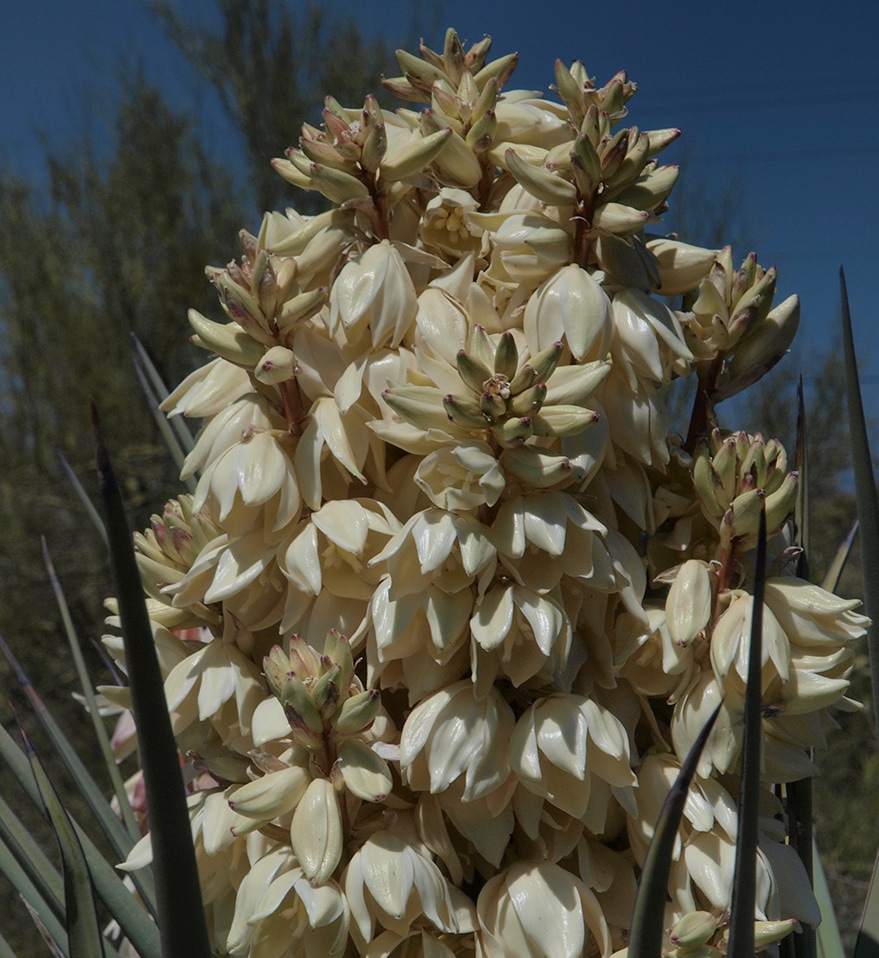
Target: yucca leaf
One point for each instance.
(81, 494)
(867, 943)
(744, 894)
(84, 939)
(799, 795)
(178, 891)
(159, 392)
(5, 950)
(168, 434)
(41, 909)
(121, 904)
(648, 915)
(799, 807)
(123, 839)
(801, 508)
(100, 729)
(112, 827)
(27, 852)
(840, 557)
(865, 493)
(828, 938)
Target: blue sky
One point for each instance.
(780, 99)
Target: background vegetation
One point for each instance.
(117, 245)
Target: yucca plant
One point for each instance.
(456, 642)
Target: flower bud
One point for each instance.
(688, 605)
(357, 713)
(693, 930)
(227, 340)
(540, 182)
(271, 795)
(562, 420)
(364, 773)
(299, 706)
(336, 185)
(540, 468)
(412, 157)
(277, 366)
(316, 831)
(422, 406)
(768, 933)
(780, 503)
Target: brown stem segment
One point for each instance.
(582, 233)
(294, 411)
(703, 407)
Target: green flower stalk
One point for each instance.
(461, 602)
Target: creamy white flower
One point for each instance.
(528, 247)
(564, 743)
(688, 605)
(437, 547)
(649, 340)
(570, 306)
(347, 440)
(390, 883)
(208, 390)
(452, 734)
(523, 118)
(731, 637)
(226, 571)
(638, 421)
(518, 633)
(217, 673)
(374, 292)
(543, 536)
(277, 904)
(539, 910)
(328, 554)
(252, 472)
(445, 225)
(461, 477)
(690, 715)
(816, 617)
(681, 267)
(316, 831)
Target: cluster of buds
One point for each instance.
(265, 306)
(329, 768)
(165, 552)
(319, 692)
(501, 396)
(463, 90)
(609, 177)
(733, 327)
(738, 476)
(360, 155)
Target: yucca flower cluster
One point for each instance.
(461, 601)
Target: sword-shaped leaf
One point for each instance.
(741, 921)
(645, 936)
(178, 892)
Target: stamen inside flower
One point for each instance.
(497, 385)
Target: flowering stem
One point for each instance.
(294, 411)
(582, 233)
(702, 404)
